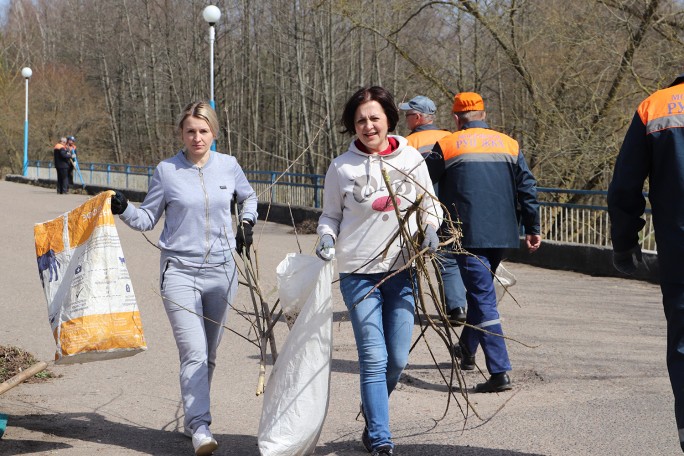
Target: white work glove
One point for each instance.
(431, 241)
(326, 248)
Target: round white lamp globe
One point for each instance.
(211, 14)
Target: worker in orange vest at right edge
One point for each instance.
(419, 113)
(486, 185)
(654, 148)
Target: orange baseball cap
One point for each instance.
(467, 101)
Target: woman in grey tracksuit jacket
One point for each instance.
(198, 277)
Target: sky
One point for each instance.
(3, 11)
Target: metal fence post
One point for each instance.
(273, 181)
(317, 202)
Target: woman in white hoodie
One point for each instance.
(360, 222)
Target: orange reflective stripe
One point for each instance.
(664, 109)
(425, 140)
(478, 141)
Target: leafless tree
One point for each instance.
(563, 78)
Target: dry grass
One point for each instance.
(14, 360)
(306, 227)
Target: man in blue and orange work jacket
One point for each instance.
(654, 148)
(419, 113)
(62, 158)
(486, 185)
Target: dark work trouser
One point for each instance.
(482, 314)
(673, 305)
(62, 180)
(454, 290)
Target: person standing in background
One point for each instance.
(62, 159)
(420, 119)
(71, 145)
(419, 113)
(654, 148)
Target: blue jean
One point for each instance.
(477, 272)
(454, 290)
(383, 326)
(208, 293)
(673, 306)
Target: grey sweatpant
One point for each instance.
(197, 301)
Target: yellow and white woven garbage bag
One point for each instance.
(92, 309)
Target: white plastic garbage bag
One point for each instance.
(503, 280)
(297, 276)
(297, 392)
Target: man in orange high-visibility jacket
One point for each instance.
(486, 185)
(654, 148)
(61, 158)
(420, 119)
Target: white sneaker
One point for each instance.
(203, 442)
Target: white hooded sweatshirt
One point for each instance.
(358, 213)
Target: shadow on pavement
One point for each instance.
(353, 448)
(93, 427)
(15, 447)
(96, 429)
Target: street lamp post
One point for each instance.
(211, 14)
(26, 73)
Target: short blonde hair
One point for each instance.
(201, 110)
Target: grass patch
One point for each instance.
(14, 360)
(306, 227)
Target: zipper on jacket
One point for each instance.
(206, 214)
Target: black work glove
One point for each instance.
(243, 237)
(119, 203)
(628, 261)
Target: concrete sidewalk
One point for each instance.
(590, 379)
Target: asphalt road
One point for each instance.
(588, 367)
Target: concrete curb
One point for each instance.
(587, 259)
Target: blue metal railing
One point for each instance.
(294, 188)
(584, 221)
(310, 184)
(603, 194)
